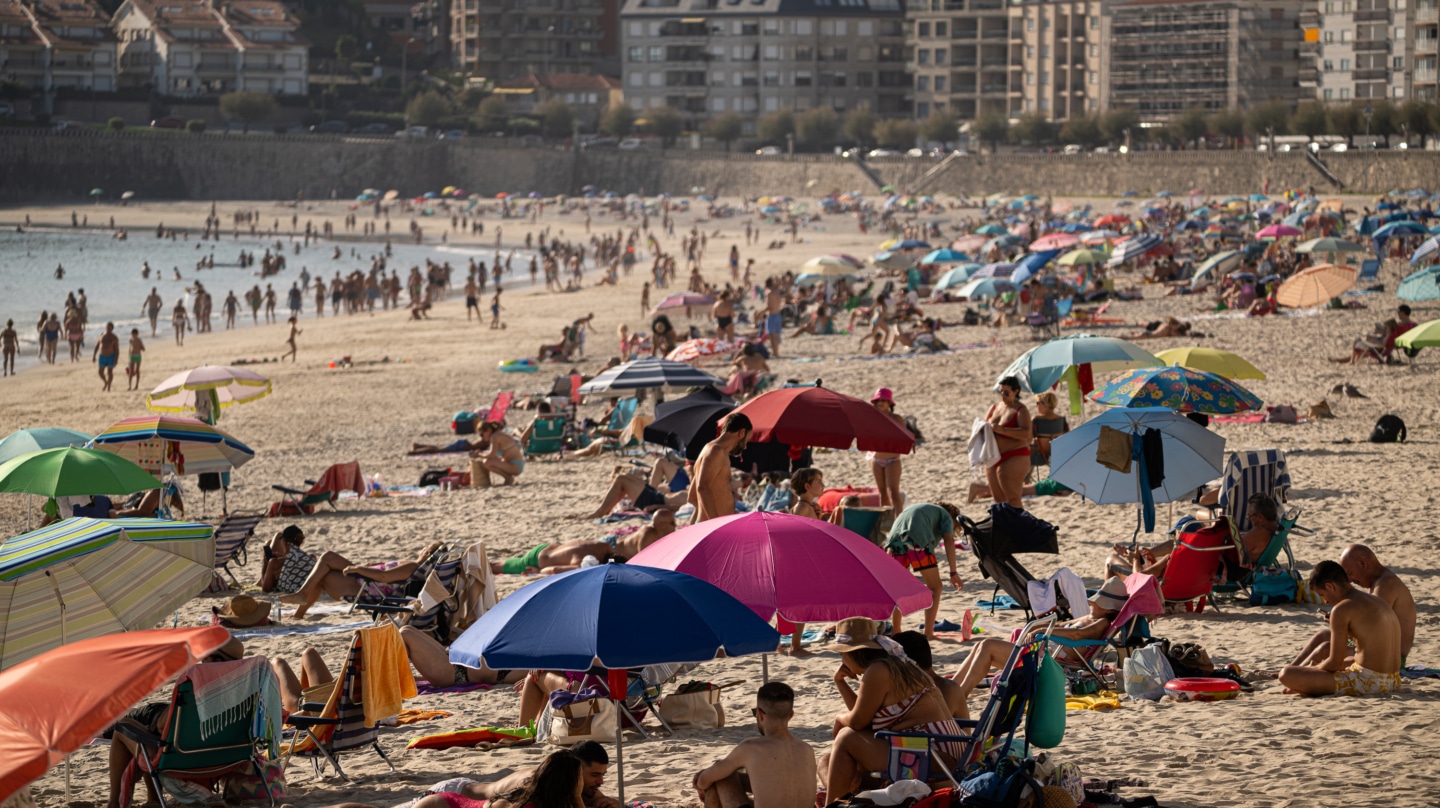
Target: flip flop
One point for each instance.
(946, 625)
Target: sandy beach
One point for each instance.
(409, 378)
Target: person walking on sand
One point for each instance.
(180, 320)
(472, 299)
(106, 355)
(774, 323)
(645, 299)
(151, 308)
(269, 304)
(232, 307)
(132, 370)
(50, 337)
(710, 490)
(495, 309)
(9, 344)
(74, 332)
(294, 332)
(886, 465)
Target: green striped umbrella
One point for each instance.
(84, 578)
(73, 472)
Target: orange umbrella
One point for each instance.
(56, 702)
(1315, 286)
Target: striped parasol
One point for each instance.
(695, 349)
(185, 445)
(1315, 286)
(106, 575)
(231, 385)
(649, 372)
(682, 300)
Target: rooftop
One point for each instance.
(767, 8)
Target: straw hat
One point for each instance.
(854, 633)
(1112, 595)
(243, 611)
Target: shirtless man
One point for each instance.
(472, 299)
(779, 769)
(774, 323)
(710, 491)
(1366, 570)
(106, 355)
(9, 344)
(1359, 617)
(151, 307)
(595, 764)
(724, 313)
(642, 495)
(550, 559)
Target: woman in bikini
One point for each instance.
(1010, 420)
(894, 694)
(333, 574)
(505, 457)
(886, 465)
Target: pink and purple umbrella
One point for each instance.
(1055, 241)
(1279, 231)
(802, 569)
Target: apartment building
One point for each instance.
(752, 57)
(506, 39)
(1167, 56)
(49, 44)
(1057, 58)
(199, 47)
(1364, 50)
(959, 53)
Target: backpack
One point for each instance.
(1389, 429)
(432, 477)
(1273, 585)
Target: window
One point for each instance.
(772, 104)
(922, 84)
(772, 78)
(1346, 7)
(922, 57)
(922, 110)
(637, 28)
(804, 78)
(1329, 94)
(717, 78)
(1029, 105)
(657, 79)
(1094, 25)
(940, 29)
(939, 84)
(637, 79)
(1345, 35)
(772, 53)
(940, 56)
(1398, 63)
(1344, 65)
(866, 28)
(1044, 51)
(1044, 105)
(772, 27)
(1329, 7)
(717, 104)
(865, 53)
(1329, 36)
(1029, 78)
(805, 27)
(1094, 51)
(865, 78)
(1029, 23)
(1044, 23)
(1398, 92)
(1044, 77)
(657, 53)
(1029, 51)
(840, 79)
(1344, 93)
(1094, 77)
(636, 54)
(1094, 104)
(805, 54)
(1328, 66)
(924, 29)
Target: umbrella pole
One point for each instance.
(619, 756)
(55, 587)
(764, 669)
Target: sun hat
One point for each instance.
(854, 633)
(242, 611)
(1112, 595)
(883, 394)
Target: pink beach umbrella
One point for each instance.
(802, 569)
(1055, 241)
(969, 244)
(1279, 231)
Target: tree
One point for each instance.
(1116, 122)
(1082, 129)
(247, 108)
(1267, 119)
(1035, 129)
(1345, 119)
(1418, 117)
(940, 127)
(860, 125)
(346, 48)
(666, 124)
(1310, 120)
(774, 128)
(1191, 125)
(1229, 123)
(116, 124)
(557, 120)
(427, 109)
(726, 128)
(1384, 121)
(896, 133)
(523, 126)
(618, 120)
(816, 128)
(491, 115)
(992, 128)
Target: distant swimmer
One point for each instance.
(60, 272)
(177, 274)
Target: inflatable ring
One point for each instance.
(1202, 689)
(518, 366)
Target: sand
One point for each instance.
(1265, 749)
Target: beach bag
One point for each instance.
(697, 706)
(267, 784)
(1389, 429)
(1188, 659)
(1281, 414)
(1146, 672)
(1273, 585)
(592, 720)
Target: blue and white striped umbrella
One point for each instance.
(647, 373)
(1133, 248)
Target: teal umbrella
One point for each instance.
(1421, 285)
(27, 441)
(956, 277)
(1041, 367)
(1215, 265)
(73, 472)
(1179, 389)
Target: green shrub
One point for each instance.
(116, 124)
(195, 125)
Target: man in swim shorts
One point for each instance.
(1362, 618)
(774, 300)
(549, 559)
(775, 770)
(107, 354)
(913, 537)
(1366, 570)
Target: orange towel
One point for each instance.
(416, 716)
(386, 680)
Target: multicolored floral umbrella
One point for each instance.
(1179, 389)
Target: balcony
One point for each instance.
(1427, 15)
(1372, 74)
(1372, 45)
(1373, 15)
(1422, 44)
(1425, 75)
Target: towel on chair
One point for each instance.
(226, 690)
(475, 591)
(387, 680)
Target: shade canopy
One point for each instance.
(1193, 456)
(816, 416)
(35, 439)
(181, 444)
(1223, 363)
(229, 385)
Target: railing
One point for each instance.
(1422, 75)
(1371, 74)
(1366, 45)
(1422, 44)
(1425, 15)
(1373, 15)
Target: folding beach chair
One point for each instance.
(995, 552)
(1369, 270)
(1129, 628)
(547, 437)
(326, 729)
(187, 751)
(1280, 542)
(1195, 563)
(499, 407)
(643, 692)
(373, 600)
(231, 537)
(1046, 324)
(337, 478)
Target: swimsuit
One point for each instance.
(1358, 681)
(916, 559)
(880, 462)
(108, 361)
(723, 322)
(518, 565)
(1023, 451)
(649, 495)
(889, 715)
(294, 570)
(774, 323)
(1048, 487)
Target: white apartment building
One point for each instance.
(49, 44)
(202, 47)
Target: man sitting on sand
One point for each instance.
(1357, 617)
(550, 559)
(1366, 570)
(643, 496)
(778, 768)
(595, 762)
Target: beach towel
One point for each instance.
(1042, 593)
(284, 630)
(225, 691)
(472, 737)
(1241, 418)
(387, 681)
(981, 447)
(999, 603)
(475, 591)
(416, 716)
(1420, 672)
(424, 688)
(1103, 700)
(809, 637)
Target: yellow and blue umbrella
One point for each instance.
(1179, 389)
(104, 575)
(184, 445)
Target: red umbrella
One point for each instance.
(1112, 220)
(56, 702)
(814, 416)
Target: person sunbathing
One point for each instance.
(148, 505)
(1047, 487)
(819, 322)
(775, 770)
(550, 559)
(1169, 327)
(993, 652)
(1365, 569)
(894, 694)
(1359, 618)
(453, 447)
(336, 576)
(432, 661)
(560, 781)
(642, 495)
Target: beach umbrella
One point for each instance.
(649, 372)
(694, 349)
(1315, 286)
(1177, 388)
(1082, 256)
(1217, 264)
(913, 244)
(128, 195)
(969, 244)
(893, 260)
(956, 276)
(977, 288)
(73, 472)
(1193, 455)
(945, 256)
(803, 570)
(97, 191)
(1027, 267)
(1041, 367)
(575, 620)
(1425, 335)
(1133, 248)
(1212, 360)
(1425, 250)
(831, 267)
(1328, 245)
(816, 416)
(58, 701)
(364, 198)
(682, 300)
(1421, 285)
(1098, 237)
(999, 269)
(1112, 220)
(687, 424)
(990, 230)
(808, 278)
(1054, 241)
(1279, 231)
(391, 195)
(184, 445)
(105, 576)
(224, 385)
(1404, 227)
(27, 441)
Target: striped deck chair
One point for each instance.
(231, 537)
(326, 729)
(1262, 471)
(373, 599)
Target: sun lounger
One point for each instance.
(232, 536)
(337, 478)
(1130, 626)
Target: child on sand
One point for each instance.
(132, 370)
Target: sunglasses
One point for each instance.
(756, 712)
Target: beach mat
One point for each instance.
(1420, 672)
(286, 630)
(424, 688)
(503, 736)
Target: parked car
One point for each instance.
(1073, 148)
(374, 129)
(168, 122)
(330, 128)
(593, 142)
(631, 144)
(1102, 150)
(415, 132)
(769, 151)
(453, 134)
(883, 153)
